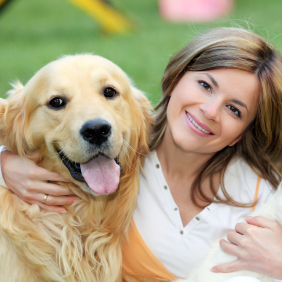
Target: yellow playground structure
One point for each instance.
(109, 18)
(3, 3)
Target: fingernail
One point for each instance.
(63, 211)
(248, 217)
(214, 270)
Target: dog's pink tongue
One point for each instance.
(101, 174)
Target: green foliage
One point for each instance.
(35, 32)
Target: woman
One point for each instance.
(216, 144)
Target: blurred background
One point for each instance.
(35, 32)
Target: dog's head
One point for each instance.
(82, 113)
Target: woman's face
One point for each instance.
(209, 110)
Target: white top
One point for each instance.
(157, 218)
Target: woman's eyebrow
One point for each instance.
(240, 103)
(212, 79)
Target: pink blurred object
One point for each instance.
(194, 10)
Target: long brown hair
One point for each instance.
(261, 143)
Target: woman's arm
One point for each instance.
(258, 246)
(30, 182)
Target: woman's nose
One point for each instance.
(211, 110)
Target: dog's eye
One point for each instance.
(110, 92)
(57, 103)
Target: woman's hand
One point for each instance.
(30, 182)
(258, 246)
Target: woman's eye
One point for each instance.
(205, 85)
(110, 92)
(57, 103)
(234, 110)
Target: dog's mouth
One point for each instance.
(100, 173)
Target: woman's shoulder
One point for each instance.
(242, 182)
(239, 167)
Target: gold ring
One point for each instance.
(45, 198)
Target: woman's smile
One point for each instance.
(198, 126)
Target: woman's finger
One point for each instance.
(44, 174)
(57, 209)
(263, 222)
(49, 188)
(50, 200)
(234, 237)
(54, 204)
(241, 228)
(229, 248)
(40, 173)
(228, 267)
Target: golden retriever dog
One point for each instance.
(86, 119)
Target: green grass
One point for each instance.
(35, 32)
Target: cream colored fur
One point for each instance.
(83, 244)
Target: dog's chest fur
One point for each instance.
(50, 246)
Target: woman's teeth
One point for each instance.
(196, 125)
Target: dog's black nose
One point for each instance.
(96, 131)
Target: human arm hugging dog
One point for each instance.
(257, 243)
(31, 182)
(257, 252)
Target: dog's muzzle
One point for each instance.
(100, 173)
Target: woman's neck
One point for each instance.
(180, 169)
(178, 163)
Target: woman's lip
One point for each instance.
(200, 123)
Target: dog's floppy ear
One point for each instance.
(14, 121)
(144, 120)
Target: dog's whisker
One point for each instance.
(129, 146)
(57, 153)
(130, 165)
(126, 146)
